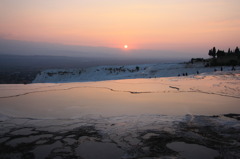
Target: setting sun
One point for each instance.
(125, 46)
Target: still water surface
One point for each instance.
(110, 98)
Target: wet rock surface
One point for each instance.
(43, 144)
(128, 137)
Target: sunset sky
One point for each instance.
(176, 25)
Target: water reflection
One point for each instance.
(189, 151)
(93, 150)
(121, 97)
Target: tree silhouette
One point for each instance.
(221, 58)
(220, 53)
(212, 52)
(229, 51)
(237, 50)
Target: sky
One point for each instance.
(192, 26)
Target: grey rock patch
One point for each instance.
(58, 137)
(30, 139)
(44, 150)
(148, 135)
(70, 141)
(40, 142)
(3, 139)
(24, 131)
(71, 136)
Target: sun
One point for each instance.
(125, 46)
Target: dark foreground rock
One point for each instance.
(120, 137)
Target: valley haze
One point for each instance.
(21, 61)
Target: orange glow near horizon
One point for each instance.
(144, 24)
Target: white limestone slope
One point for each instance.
(102, 73)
